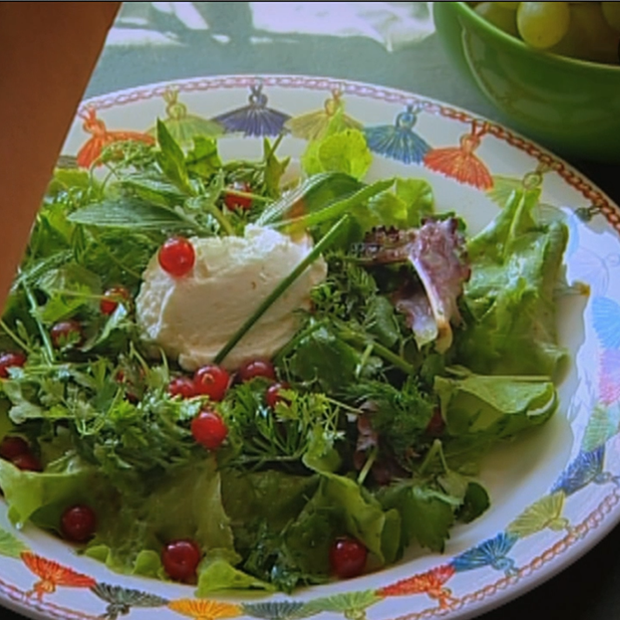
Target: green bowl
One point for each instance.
(570, 106)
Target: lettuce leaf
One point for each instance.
(481, 410)
(509, 303)
(27, 492)
(216, 573)
(341, 149)
(284, 525)
(406, 205)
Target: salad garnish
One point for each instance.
(418, 348)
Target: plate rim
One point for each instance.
(609, 505)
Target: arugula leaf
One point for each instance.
(381, 321)
(475, 503)
(324, 360)
(132, 214)
(151, 189)
(475, 403)
(171, 159)
(315, 193)
(274, 169)
(204, 159)
(481, 410)
(347, 205)
(427, 516)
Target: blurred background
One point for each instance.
(388, 43)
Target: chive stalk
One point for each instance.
(278, 291)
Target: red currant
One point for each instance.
(182, 386)
(273, 396)
(12, 447)
(27, 462)
(347, 558)
(256, 368)
(180, 559)
(209, 430)
(233, 201)
(177, 256)
(211, 381)
(78, 523)
(9, 360)
(67, 333)
(112, 297)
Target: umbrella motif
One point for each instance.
(460, 162)
(399, 141)
(255, 119)
(101, 137)
(503, 186)
(430, 583)
(490, 553)
(183, 127)
(121, 600)
(353, 604)
(314, 125)
(201, 609)
(606, 321)
(52, 576)
(586, 468)
(602, 425)
(279, 610)
(543, 514)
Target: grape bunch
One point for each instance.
(585, 30)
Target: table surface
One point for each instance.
(158, 41)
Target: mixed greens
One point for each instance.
(423, 349)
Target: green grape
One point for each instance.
(543, 24)
(503, 19)
(611, 13)
(589, 36)
(513, 6)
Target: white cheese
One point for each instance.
(191, 318)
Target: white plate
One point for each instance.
(554, 494)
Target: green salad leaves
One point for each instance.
(421, 351)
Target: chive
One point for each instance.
(317, 250)
(240, 194)
(221, 219)
(337, 208)
(379, 349)
(367, 466)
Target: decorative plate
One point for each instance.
(554, 494)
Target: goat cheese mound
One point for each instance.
(191, 318)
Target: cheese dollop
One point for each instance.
(193, 317)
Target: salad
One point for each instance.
(236, 377)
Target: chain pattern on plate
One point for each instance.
(572, 177)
